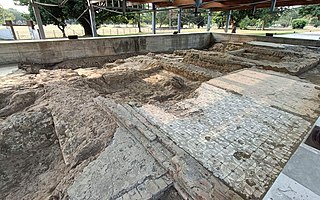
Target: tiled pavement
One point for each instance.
(241, 139)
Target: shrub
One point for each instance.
(317, 24)
(299, 23)
(247, 22)
(313, 20)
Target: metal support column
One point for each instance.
(254, 10)
(228, 21)
(37, 15)
(273, 5)
(154, 12)
(179, 19)
(139, 23)
(92, 19)
(124, 6)
(209, 20)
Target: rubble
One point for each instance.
(131, 129)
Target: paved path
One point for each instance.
(4, 70)
(300, 178)
(306, 36)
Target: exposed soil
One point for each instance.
(225, 47)
(312, 75)
(51, 127)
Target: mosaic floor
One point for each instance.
(242, 140)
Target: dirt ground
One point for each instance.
(51, 128)
(43, 112)
(313, 75)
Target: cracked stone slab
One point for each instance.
(122, 170)
(191, 179)
(295, 96)
(242, 141)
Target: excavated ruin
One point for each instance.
(62, 125)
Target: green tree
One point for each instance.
(236, 18)
(267, 17)
(162, 18)
(219, 18)
(73, 9)
(19, 17)
(52, 15)
(287, 16)
(264, 16)
(299, 23)
(5, 15)
(310, 11)
(247, 22)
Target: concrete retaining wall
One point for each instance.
(227, 37)
(54, 51)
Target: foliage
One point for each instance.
(317, 24)
(245, 18)
(266, 17)
(19, 17)
(170, 18)
(52, 15)
(287, 16)
(247, 22)
(14, 15)
(6, 15)
(299, 23)
(310, 11)
(162, 18)
(219, 18)
(72, 10)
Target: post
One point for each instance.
(209, 20)
(139, 23)
(273, 5)
(170, 18)
(92, 19)
(228, 21)
(154, 11)
(9, 23)
(179, 19)
(124, 6)
(37, 14)
(254, 10)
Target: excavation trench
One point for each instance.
(52, 128)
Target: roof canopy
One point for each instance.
(215, 5)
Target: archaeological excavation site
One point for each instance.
(172, 117)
